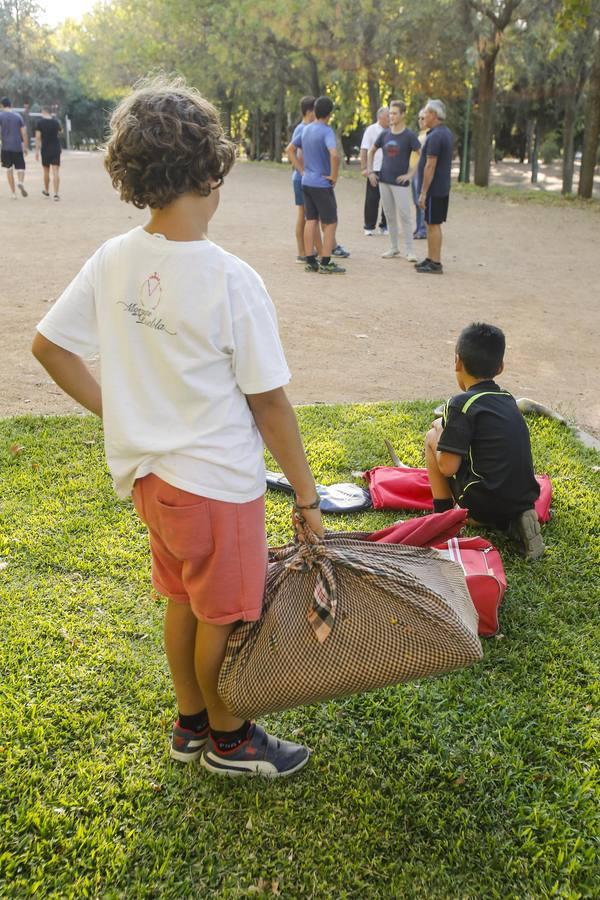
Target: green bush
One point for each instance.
(550, 149)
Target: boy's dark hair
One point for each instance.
(166, 140)
(481, 349)
(323, 107)
(307, 104)
(5, 101)
(399, 105)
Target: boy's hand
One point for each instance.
(308, 525)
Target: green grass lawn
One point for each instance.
(481, 784)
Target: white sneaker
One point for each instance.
(411, 257)
(369, 232)
(389, 254)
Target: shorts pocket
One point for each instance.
(186, 531)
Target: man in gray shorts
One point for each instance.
(14, 146)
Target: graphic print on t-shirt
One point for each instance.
(149, 297)
(151, 291)
(392, 148)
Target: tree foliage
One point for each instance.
(533, 78)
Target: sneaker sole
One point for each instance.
(249, 769)
(531, 535)
(180, 756)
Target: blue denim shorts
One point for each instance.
(298, 192)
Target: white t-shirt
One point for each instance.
(184, 330)
(368, 139)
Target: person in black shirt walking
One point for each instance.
(47, 141)
(478, 453)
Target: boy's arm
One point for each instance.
(69, 372)
(335, 166)
(292, 155)
(448, 463)
(38, 143)
(276, 421)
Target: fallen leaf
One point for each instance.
(15, 449)
(156, 787)
(249, 825)
(35, 467)
(275, 888)
(460, 780)
(89, 443)
(3, 564)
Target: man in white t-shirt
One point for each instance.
(372, 193)
(192, 375)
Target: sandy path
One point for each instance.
(379, 332)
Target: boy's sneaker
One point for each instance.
(369, 232)
(259, 754)
(411, 257)
(526, 529)
(331, 268)
(429, 267)
(338, 250)
(383, 230)
(46, 193)
(186, 746)
(22, 189)
(312, 267)
(390, 254)
(301, 260)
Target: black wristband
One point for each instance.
(314, 505)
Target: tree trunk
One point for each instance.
(592, 127)
(374, 98)
(313, 68)
(569, 119)
(535, 154)
(485, 116)
(278, 125)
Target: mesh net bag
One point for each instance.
(344, 616)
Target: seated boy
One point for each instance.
(478, 454)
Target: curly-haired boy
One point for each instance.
(192, 375)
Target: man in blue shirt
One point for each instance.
(321, 165)
(14, 146)
(434, 177)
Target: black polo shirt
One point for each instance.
(484, 425)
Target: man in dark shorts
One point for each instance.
(321, 166)
(47, 141)
(14, 146)
(434, 177)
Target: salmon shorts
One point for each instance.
(208, 553)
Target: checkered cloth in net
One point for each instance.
(345, 616)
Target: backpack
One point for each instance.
(485, 577)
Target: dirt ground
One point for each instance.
(380, 332)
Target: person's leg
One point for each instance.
(310, 236)
(389, 207)
(440, 486)
(300, 230)
(11, 180)
(46, 176)
(434, 243)
(55, 179)
(211, 641)
(180, 643)
(404, 204)
(21, 178)
(371, 204)
(328, 238)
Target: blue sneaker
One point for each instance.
(186, 746)
(259, 754)
(340, 251)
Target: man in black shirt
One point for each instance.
(479, 454)
(47, 140)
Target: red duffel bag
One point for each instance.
(402, 487)
(485, 577)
